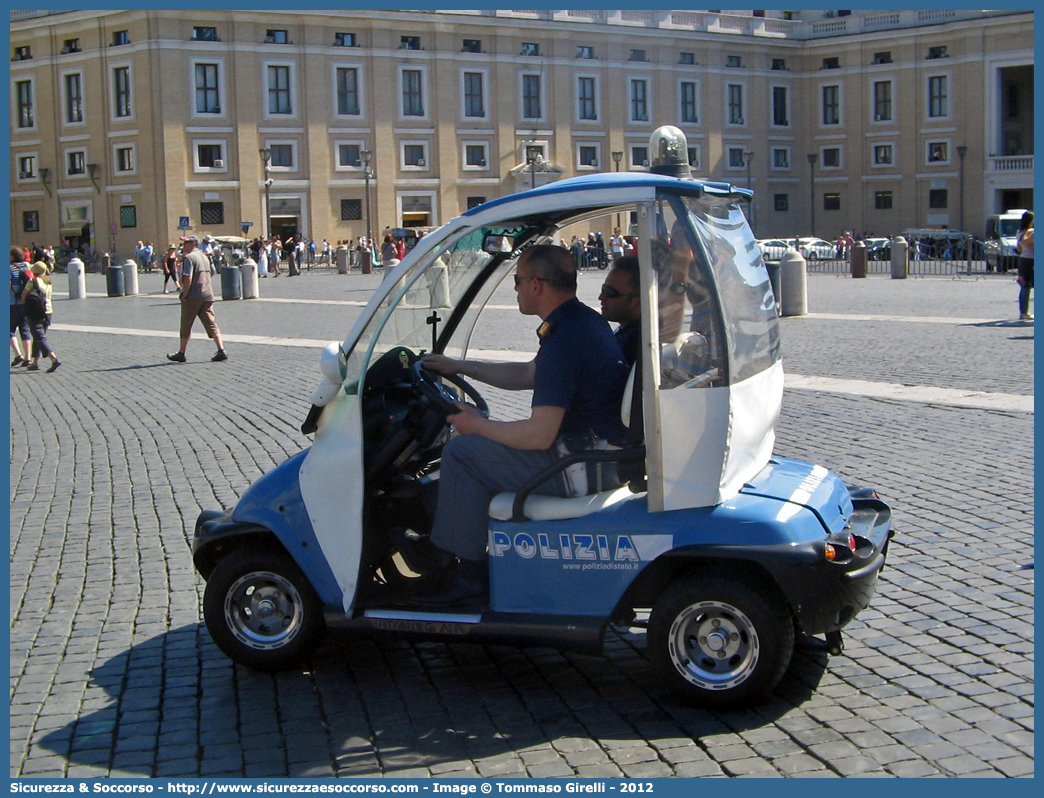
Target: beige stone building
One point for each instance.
(125, 122)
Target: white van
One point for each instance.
(1002, 230)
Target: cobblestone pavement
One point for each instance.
(113, 674)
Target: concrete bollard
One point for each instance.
(859, 259)
(106, 262)
(366, 261)
(342, 260)
(130, 277)
(793, 284)
(250, 279)
(900, 258)
(77, 279)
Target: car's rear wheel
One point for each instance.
(261, 610)
(812, 255)
(720, 642)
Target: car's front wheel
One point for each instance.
(720, 642)
(261, 610)
(812, 255)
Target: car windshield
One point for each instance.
(427, 295)
(1009, 228)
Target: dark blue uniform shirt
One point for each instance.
(580, 367)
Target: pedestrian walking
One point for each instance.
(616, 245)
(1024, 248)
(197, 299)
(21, 336)
(36, 300)
(170, 268)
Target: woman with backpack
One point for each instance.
(36, 299)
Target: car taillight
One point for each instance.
(851, 542)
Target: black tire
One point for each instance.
(720, 642)
(812, 255)
(261, 610)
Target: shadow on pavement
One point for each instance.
(174, 705)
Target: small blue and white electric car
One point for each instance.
(729, 549)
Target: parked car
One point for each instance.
(817, 249)
(772, 248)
(1002, 232)
(728, 549)
(878, 248)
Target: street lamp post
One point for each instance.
(536, 160)
(266, 161)
(961, 152)
(366, 156)
(617, 155)
(748, 156)
(812, 157)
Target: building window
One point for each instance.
(282, 155)
(585, 98)
(938, 152)
(347, 91)
(831, 201)
(207, 99)
(409, 43)
(882, 101)
(211, 213)
(414, 155)
(76, 163)
(122, 88)
(639, 101)
(124, 159)
(781, 202)
(208, 156)
(938, 52)
(733, 61)
(686, 58)
(120, 37)
(694, 157)
(780, 158)
(474, 102)
(883, 155)
(474, 202)
(205, 34)
(344, 40)
(735, 158)
(639, 157)
(584, 51)
(349, 155)
(531, 105)
(530, 48)
(276, 37)
(30, 221)
(475, 155)
(70, 46)
(937, 198)
(279, 90)
(689, 113)
(351, 210)
(588, 155)
(780, 115)
(412, 98)
(938, 99)
(831, 63)
(637, 55)
(735, 101)
(73, 98)
(27, 167)
(471, 46)
(24, 92)
(23, 53)
(831, 157)
(883, 200)
(779, 64)
(831, 105)
(883, 57)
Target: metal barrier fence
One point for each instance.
(592, 259)
(921, 267)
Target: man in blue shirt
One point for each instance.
(577, 379)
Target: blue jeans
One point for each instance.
(1026, 273)
(474, 470)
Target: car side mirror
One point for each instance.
(495, 244)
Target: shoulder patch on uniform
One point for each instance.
(544, 329)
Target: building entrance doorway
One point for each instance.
(284, 227)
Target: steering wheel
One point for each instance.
(441, 399)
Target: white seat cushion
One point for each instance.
(554, 508)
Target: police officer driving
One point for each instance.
(577, 379)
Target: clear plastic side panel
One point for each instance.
(748, 308)
(692, 342)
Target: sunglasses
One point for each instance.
(611, 293)
(519, 278)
